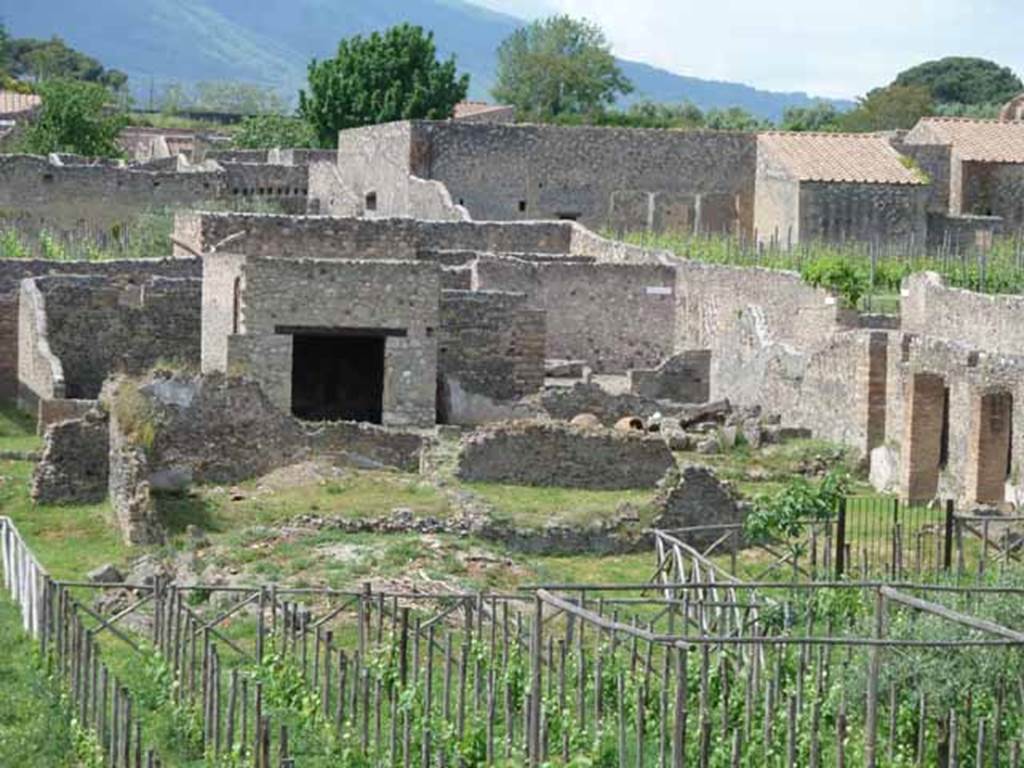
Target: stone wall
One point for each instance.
(699, 499)
(552, 454)
(776, 208)
(74, 464)
(924, 372)
(327, 237)
(283, 186)
(684, 377)
(329, 194)
(13, 271)
(872, 213)
(995, 189)
(491, 347)
(98, 325)
(37, 193)
(614, 316)
(399, 299)
(936, 161)
(952, 234)
(629, 179)
(994, 323)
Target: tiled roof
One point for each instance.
(856, 158)
(14, 103)
(982, 141)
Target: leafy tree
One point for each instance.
(47, 59)
(558, 65)
(5, 51)
(238, 98)
(734, 119)
(269, 131)
(821, 116)
(884, 109)
(74, 118)
(962, 80)
(394, 75)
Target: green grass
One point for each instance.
(533, 507)
(17, 431)
(34, 725)
(998, 271)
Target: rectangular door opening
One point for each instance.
(338, 377)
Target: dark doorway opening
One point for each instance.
(338, 377)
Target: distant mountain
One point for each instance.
(271, 42)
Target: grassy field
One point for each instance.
(34, 727)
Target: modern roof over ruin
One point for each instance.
(973, 140)
(853, 158)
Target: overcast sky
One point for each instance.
(824, 47)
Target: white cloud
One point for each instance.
(823, 47)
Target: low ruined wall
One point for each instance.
(559, 455)
(614, 316)
(685, 378)
(491, 345)
(962, 234)
(328, 237)
(13, 271)
(63, 198)
(40, 373)
(366, 445)
(97, 325)
(74, 464)
(284, 186)
(986, 322)
(430, 201)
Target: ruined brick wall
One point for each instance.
(962, 234)
(775, 342)
(329, 194)
(401, 298)
(832, 212)
(94, 198)
(375, 162)
(327, 237)
(551, 454)
(995, 189)
(221, 308)
(936, 161)
(491, 345)
(13, 271)
(922, 372)
(980, 321)
(98, 325)
(283, 186)
(628, 179)
(776, 209)
(614, 316)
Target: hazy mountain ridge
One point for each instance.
(272, 41)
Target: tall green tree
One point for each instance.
(557, 66)
(74, 118)
(270, 131)
(963, 80)
(53, 58)
(394, 75)
(885, 109)
(820, 116)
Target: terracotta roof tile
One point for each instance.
(856, 158)
(982, 141)
(14, 103)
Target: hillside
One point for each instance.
(271, 42)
